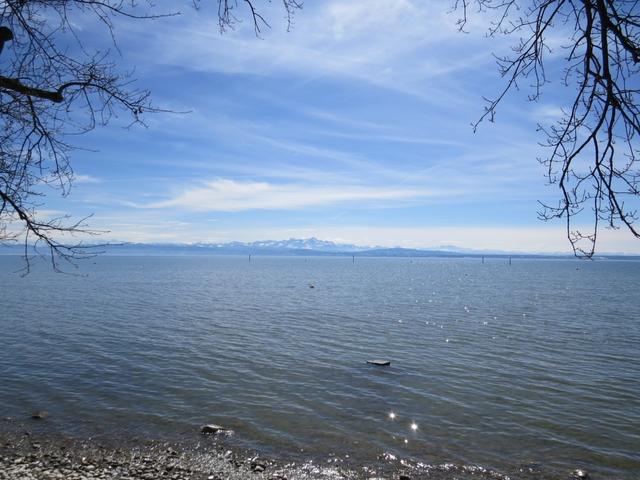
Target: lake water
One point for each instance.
(496, 365)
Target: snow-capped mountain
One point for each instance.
(312, 243)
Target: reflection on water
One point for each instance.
(491, 364)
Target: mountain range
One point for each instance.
(298, 247)
(290, 247)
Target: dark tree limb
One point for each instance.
(18, 87)
(593, 148)
(48, 95)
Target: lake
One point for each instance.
(492, 365)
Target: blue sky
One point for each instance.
(355, 126)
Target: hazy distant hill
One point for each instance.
(293, 246)
(297, 247)
(290, 247)
(309, 244)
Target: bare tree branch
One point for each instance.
(48, 95)
(593, 148)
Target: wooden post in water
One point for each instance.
(482, 258)
(353, 259)
(509, 260)
(249, 257)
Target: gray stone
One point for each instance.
(379, 363)
(211, 429)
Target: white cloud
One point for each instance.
(50, 214)
(406, 46)
(547, 113)
(226, 195)
(78, 178)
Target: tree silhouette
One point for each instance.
(593, 148)
(53, 87)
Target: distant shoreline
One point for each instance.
(309, 247)
(403, 254)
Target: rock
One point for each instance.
(211, 429)
(172, 452)
(405, 477)
(39, 415)
(380, 363)
(579, 473)
(531, 467)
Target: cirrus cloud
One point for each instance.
(226, 195)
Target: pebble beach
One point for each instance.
(25, 455)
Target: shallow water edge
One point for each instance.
(30, 453)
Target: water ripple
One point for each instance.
(495, 365)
